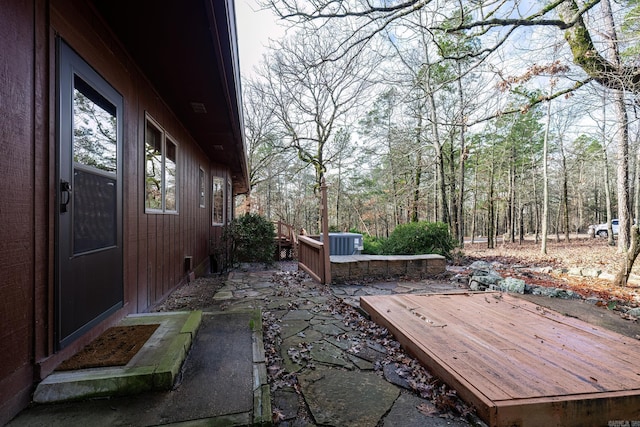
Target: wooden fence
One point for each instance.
(313, 255)
(286, 241)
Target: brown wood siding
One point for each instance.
(155, 245)
(17, 214)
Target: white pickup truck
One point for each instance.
(600, 230)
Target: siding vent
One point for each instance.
(198, 108)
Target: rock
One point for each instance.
(290, 328)
(223, 295)
(328, 329)
(634, 312)
(481, 266)
(554, 292)
(541, 270)
(298, 315)
(360, 363)
(410, 410)
(606, 276)
(286, 401)
(591, 272)
(482, 282)
(369, 354)
(347, 398)
(475, 286)
(329, 354)
(574, 271)
(512, 285)
(483, 276)
(547, 292)
(391, 374)
(459, 278)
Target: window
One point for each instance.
(161, 170)
(229, 202)
(217, 200)
(202, 188)
(95, 150)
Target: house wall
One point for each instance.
(155, 245)
(19, 222)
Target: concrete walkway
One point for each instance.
(222, 381)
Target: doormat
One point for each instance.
(115, 347)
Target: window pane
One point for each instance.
(217, 197)
(170, 169)
(94, 128)
(202, 188)
(94, 220)
(229, 202)
(153, 179)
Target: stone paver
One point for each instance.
(323, 370)
(347, 398)
(410, 410)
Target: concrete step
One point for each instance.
(154, 367)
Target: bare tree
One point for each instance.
(567, 16)
(311, 95)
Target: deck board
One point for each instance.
(519, 364)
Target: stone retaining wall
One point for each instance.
(354, 268)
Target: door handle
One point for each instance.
(65, 195)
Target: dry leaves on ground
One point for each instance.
(584, 252)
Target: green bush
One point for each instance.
(372, 245)
(416, 238)
(251, 238)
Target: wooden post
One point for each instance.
(324, 213)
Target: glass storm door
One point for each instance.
(89, 204)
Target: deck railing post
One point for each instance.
(324, 213)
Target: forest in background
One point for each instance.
(497, 118)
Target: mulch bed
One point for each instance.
(115, 347)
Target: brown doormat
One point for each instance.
(115, 347)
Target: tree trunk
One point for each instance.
(622, 133)
(416, 192)
(545, 182)
(607, 198)
(630, 258)
(558, 221)
(474, 209)
(511, 209)
(462, 159)
(636, 195)
(623, 172)
(453, 192)
(417, 176)
(536, 211)
(636, 198)
(437, 146)
(565, 194)
(491, 213)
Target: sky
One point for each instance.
(255, 27)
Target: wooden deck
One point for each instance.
(517, 363)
